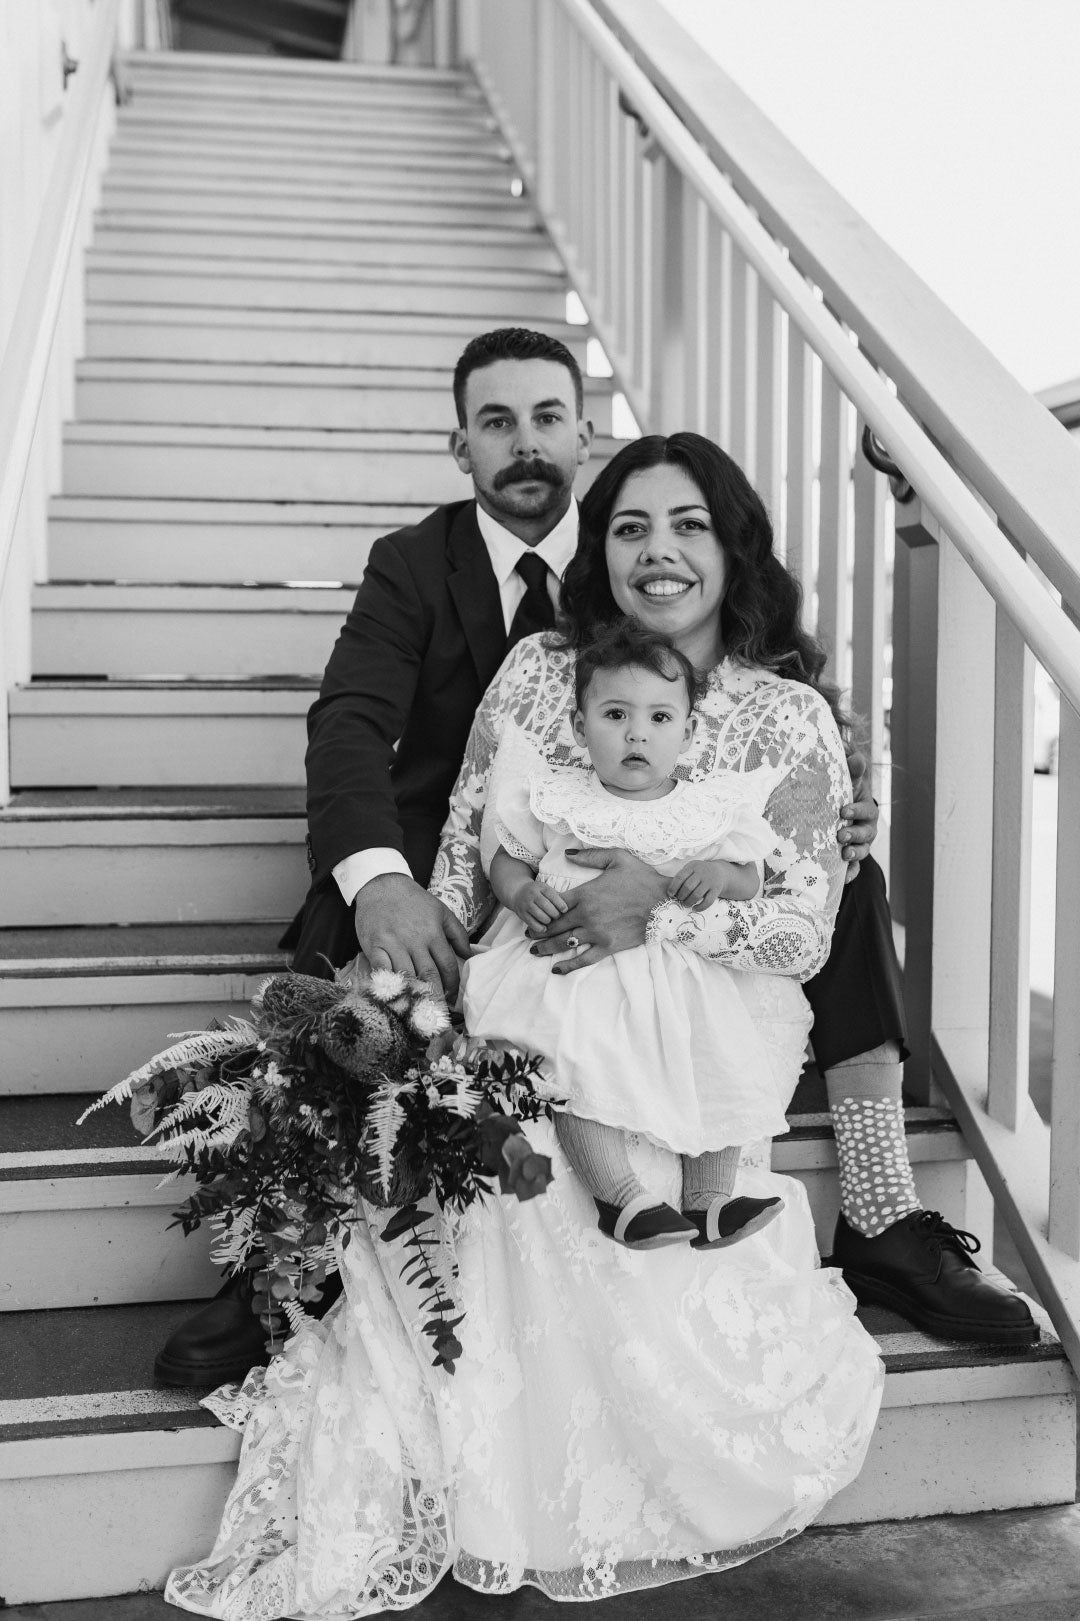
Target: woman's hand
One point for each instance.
(859, 819)
(604, 916)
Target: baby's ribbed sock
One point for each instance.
(877, 1187)
(598, 1155)
(708, 1175)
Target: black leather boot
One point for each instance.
(225, 1339)
(922, 1267)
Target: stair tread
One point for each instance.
(138, 947)
(347, 441)
(45, 1126)
(50, 1359)
(190, 509)
(167, 804)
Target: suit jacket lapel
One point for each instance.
(475, 594)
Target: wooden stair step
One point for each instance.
(467, 128)
(351, 207)
(84, 1217)
(203, 631)
(357, 174)
(89, 1197)
(332, 397)
(75, 859)
(321, 154)
(157, 281)
(228, 542)
(387, 246)
(309, 277)
(128, 734)
(161, 332)
(82, 1423)
(81, 1007)
(271, 464)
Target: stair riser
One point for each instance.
(101, 1254)
(150, 339)
(81, 1242)
(209, 553)
(523, 306)
(126, 1526)
(367, 182)
(393, 130)
(319, 170)
(234, 405)
(322, 157)
(187, 881)
(322, 106)
(388, 252)
(242, 202)
(88, 642)
(237, 473)
(935, 1458)
(84, 1035)
(59, 751)
(201, 261)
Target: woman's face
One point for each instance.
(665, 563)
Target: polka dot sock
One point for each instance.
(877, 1187)
(599, 1155)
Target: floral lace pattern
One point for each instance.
(749, 721)
(617, 1420)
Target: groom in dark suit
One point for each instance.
(440, 604)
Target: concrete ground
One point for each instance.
(1023, 1565)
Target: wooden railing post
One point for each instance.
(1064, 1221)
(667, 376)
(914, 756)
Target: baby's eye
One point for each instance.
(614, 714)
(660, 716)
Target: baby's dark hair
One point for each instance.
(626, 642)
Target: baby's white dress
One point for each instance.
(655, 1039)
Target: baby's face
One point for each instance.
(635, 724)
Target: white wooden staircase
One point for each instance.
(287, 261)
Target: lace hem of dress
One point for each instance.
(605, 1578)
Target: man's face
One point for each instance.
(522, 443)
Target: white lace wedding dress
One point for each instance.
(617, 1419)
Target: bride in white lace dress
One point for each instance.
(618, 1419)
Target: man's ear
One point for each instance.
(459, 449)
(578, 724)
(585, 439)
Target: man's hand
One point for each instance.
(858, 820)
(400, 926)
(604, 916)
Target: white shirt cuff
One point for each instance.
(357, 870)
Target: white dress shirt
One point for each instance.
(504, 549)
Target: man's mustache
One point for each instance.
(535, 472)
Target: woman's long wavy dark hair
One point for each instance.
(760, 616)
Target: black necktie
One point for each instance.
(534, 611)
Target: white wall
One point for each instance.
(951, 127)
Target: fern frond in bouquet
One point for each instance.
(334, 1090)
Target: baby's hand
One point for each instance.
(700, 883)
(536, 903)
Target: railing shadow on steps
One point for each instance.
(736, 293)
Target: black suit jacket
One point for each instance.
(421, 643)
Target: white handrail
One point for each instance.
(25, 363)
(1054, 641)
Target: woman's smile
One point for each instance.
(665, 562)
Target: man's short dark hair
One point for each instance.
(626, 643)
(513, 343)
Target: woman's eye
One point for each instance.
(627, 531)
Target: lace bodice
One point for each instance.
(749, 721)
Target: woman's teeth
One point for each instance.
(665, 588)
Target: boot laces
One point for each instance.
(940, 1235)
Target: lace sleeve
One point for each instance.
(521, 694)
(788, 928)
